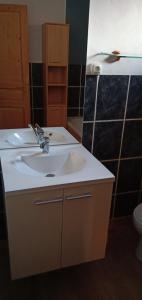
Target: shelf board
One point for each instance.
(55, 105)
(57, 84)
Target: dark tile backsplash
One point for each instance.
(134, 109)
(74, 76)
(130, 173)
(37, 74)
(90, 98)
(112, 131)
(73, 97)
(76, 82)
(87, 135)
(111, 100)
(132, 140)
(36, 93)
(107, 138)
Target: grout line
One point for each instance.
(119, 158)
(122, 158)
(37, 86)
(95, 110)
(73, 107)
(117, 120)
(37, 108)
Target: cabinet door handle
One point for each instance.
(42, 202)
(85, 195)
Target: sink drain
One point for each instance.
(49, 175)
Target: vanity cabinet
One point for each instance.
(55, 44)
(14, 67)
(85, 223)
(57, 228)
(34, 232)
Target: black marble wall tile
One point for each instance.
(130, 174)
(90, 98)
(37, 93)
(1, 193)
(83, 71)
(111, 100)
(87, 135)
(112, 166)
(73, 96)
(38, 116)
(3, 232)
(134, 108)
(107, 138)
(81, 112)
(37, 74)
(73, 112)
(132, 140)
(125, 204)
(82, 90)
(74, 75)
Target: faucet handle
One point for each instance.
(39, 129)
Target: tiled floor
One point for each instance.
(117, 277)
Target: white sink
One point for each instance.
(28, 138)
(55, 163)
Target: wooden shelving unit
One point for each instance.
(55, 45)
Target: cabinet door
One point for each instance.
(34, 232)
(85, 223)
(56, 116)
(14, 67)
(57, 44)
(13, 114)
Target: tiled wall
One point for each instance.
(76, 82)
(36, 93)
(112, 131)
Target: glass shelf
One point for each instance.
(117, 55)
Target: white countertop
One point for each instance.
(5, 136)
(15, 180)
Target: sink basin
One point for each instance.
(51, 164)
(28, 138)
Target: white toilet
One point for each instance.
(137, 217)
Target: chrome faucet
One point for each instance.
(42, 140)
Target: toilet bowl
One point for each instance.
(137, 217)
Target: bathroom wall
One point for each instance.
(112, 126)
(112, 131)
(115, 25)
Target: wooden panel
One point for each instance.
(12, 118)
(85, 224)
(34, 233)
(56, 116)
(11, 97)
(14, 66)
(14, 108)
(10, 50)
(56, 95)
(57, 44)
(57, 75)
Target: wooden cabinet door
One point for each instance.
(57, 36)
(56, 116)
(34, 232)
(85, 223)
(14, 67)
